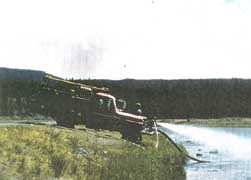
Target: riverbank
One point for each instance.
(44, 152)
(219, 122)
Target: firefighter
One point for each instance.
(101, 105)
(138, 109)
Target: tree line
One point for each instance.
(191, 98)
(16, 96)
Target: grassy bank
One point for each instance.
(220, 122)
(44, 152)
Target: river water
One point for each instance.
(227, 149)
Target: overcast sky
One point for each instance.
(141, 39)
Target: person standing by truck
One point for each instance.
(138, 109)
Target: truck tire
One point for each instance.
(131, 132)
(65, 123)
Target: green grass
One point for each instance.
(219, 122)
(44, 152)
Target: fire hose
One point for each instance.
(175, 145)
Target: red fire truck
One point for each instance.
(71, 103)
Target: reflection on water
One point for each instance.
(228, 149)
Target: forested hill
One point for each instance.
(20, 74)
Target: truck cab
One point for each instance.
(106, 115)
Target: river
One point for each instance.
(227, 149)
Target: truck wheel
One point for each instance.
(124, 135)
(134, 134)
(64, 123)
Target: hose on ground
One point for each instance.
(157, 135)
(179, 149)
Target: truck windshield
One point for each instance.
(121, 104)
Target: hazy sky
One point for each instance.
(168, 39)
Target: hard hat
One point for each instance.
(101, 101)
(138, 104)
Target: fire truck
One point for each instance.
(71, 103)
